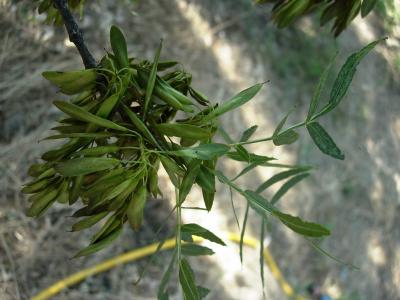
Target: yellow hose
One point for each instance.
(148, 250)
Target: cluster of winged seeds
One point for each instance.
(119, 130)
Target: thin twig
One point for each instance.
(75, 34)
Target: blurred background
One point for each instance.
(227, 46)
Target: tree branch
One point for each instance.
(74, 33)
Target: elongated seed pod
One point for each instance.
(63, 196)
(35, 186)
(36, 170)
(120, 199)
(46, 174)
(152, 181)
(100, 244)
(97, 151)
(136, 207)
(76, 188)
(40, 205)
(73, 82)
(89, 221)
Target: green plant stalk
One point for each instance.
(270, 138)
(178, 227)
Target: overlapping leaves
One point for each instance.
(338, 11)
(121, 126)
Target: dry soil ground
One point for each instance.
(227, 45)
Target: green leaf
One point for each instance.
(44, 6)
(317, 93)
(184, 131)
(164, 65)
(203, 151)
(251, 166)
(36, 186)
(101, 244)
(69, 129)
(186, 279)
(36, 170)
(152, 80)
(244, 154)
(208, 198)
(102, 182)
(107, 106)
(323, 141)
(83, 115)
(96, 135)
(186, 142)
(233, 207)
(119, 47)
(367, 6)
(235, 102)
(154, 254)
(225, 135)
(199, 97)
(248, 133)
(72, 82)
(140, 126)
(166, 277)
(86, 165)
(206, 179)
(246, 169)
(136, 207)
(89, 221)
(324, 252)
(195, 250)
(286, 186)
(345, 76)
(76, 189)
(261, 258)
(301, 227)
(111, 224)
(40, 205)
(328, 13)
(262, 206)
(253, 158)
(97, 151)
(280, 176)
(285, 138)
(197, 230)
(163, 296)
(172, 169)
(281, 124)
(203, 292)
(222, 178)
(118, 189)
(188, 180)
(207, 170)
(242, 232)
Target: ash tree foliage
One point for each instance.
(342, 12)
(126, 117)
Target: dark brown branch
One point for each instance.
(74, 33)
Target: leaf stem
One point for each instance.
(270, 137)
(178, 226)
